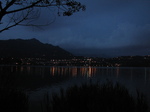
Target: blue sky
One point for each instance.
(107, 28)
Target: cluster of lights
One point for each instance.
(76, 61)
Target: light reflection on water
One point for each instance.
(136, 75)
(41, 79)
(139, 75)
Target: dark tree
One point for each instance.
(24, 12)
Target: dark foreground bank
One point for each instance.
(89, 97)
(95, 98)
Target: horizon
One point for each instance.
(71, 52)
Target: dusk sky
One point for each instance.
(107, 28)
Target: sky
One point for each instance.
(108, 28)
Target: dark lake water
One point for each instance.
(39, 80)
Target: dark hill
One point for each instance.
(31, 48)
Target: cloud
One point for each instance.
(108, 27)
(130, 34)
(126, 39)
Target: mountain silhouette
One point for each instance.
(31, 48)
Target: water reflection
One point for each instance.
(73, 71)
(46, 78)
(55, 73)
(117, 71)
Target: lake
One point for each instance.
(39, 80)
